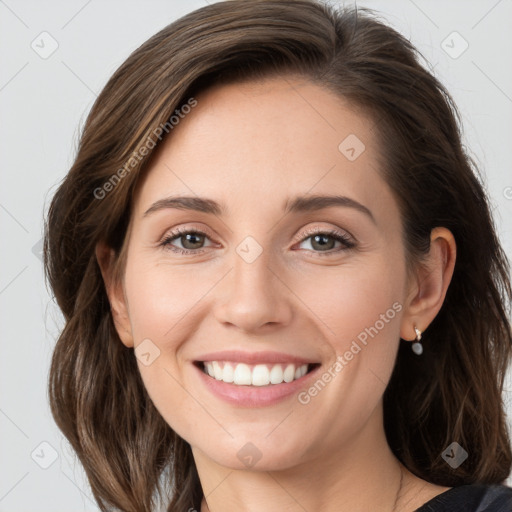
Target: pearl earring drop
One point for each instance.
(417, 347)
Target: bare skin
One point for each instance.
(251, 147)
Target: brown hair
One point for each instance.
(451, 393)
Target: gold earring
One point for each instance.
(417, 347)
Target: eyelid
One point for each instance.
(307, 232)
(181, 229)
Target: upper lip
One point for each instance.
(253, 357)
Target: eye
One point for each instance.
(322, 241)
(191, 241)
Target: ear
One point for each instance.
(428, 289)
(116, 295)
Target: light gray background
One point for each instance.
(43, 102)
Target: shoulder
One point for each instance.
(471, 498)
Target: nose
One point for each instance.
(254, 297)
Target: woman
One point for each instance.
(281, 280)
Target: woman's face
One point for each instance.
(271, 276)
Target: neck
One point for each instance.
(359, 475)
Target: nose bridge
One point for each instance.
(255, 296)
(251, 269)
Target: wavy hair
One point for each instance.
(453, 392)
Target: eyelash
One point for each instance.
(336, 235)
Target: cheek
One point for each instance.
(164, 301)
(161, 296)
(358, 309)
(355, 302)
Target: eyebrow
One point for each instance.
(295, 205)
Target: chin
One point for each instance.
(257, 455)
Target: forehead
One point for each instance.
(256, 143)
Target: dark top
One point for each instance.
(471, 498)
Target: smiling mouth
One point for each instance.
(242, 374)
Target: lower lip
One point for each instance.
(254, 396)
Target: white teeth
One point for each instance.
(260, 375)
(217, 370)
(228, 373)
(289, 373)
(276, 374)
(243, 374)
